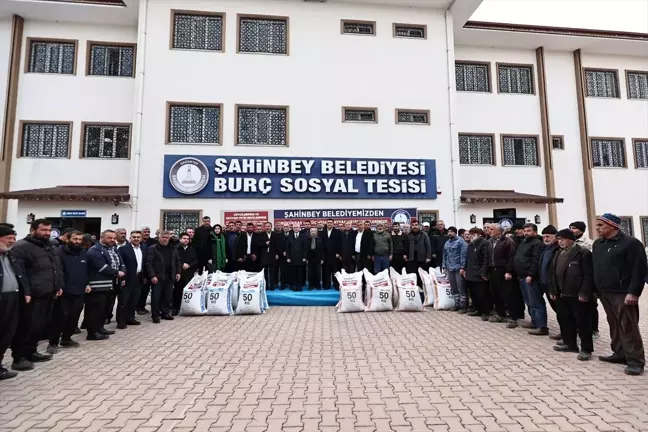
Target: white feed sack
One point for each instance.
(219, 296)
(193, 297)
(428, 287)
(250, 295)
(350, 292)
(379, 291)
(260, 276)
(409, 299)
(442, 292)
(393, 275)
(234, 277)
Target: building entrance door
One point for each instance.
(85, 225)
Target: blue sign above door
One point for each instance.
(73, 213)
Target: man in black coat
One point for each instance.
(12, 290)
(282, 243)
(348, 245)
(527, 269)
(332, 238)
(270, 249)
(201, 244)
(133, 256)
(189, 265)
(296, 259)
(620, 269)
(247, 252)
(315, 248)
(476, 275)
(438, 238)
(504, 289)
(44, 282)
(163, 269)
(570, 286)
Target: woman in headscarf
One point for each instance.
(219, 249)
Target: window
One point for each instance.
(198, 31)
(641, 153)
(472, 77)
(413, 117)
(608, 152)
(558, 142)
(626, 225)
(602, 83)
(194, 124)
(367, 28)
(521, 150)
(410, 31)
(637, 85)
(52, 56)
(644, 229)
(179, 220)
(111, 60)
(267, 126)
(476, 150)
(106, 141)
(45, 140)
(360, 115)
(265, 35)
(515, 79)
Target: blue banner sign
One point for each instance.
(292, 177)
(340, 216)
(73, 213)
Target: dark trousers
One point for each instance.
(95, 310)
(9, 315)
(481, 296)
(329, 268)
(65, 317)
(348, 265)
(251, 266)
(314, 271)
(285, 273)
(178, 288)
(594, 314)
(552, 302)
(161, 293)
(412, 267)
(574, 319)
(506, 294)
(127, 301)
(232, 265)
(144, 293)
(296, 276)
(110, 303)
(624, 328)
(271, 273)
(31, 325)
(398, 263)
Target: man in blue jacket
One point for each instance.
(455, 252)
(68, 307)
(105, 270)
(133, 255)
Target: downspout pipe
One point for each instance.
(140, 79)
(452, 128)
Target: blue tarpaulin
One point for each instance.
(316, 297)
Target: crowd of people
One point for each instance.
(46, 284)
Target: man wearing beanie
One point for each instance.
(527, 263)
(619, 271)
(578, 228)
(454, 263)
(11, 287)
(570, 286)
(548, 251)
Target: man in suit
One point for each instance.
(269, 250)
(332, 238)
(348, 243)
(133, 256)
(315, 249)
(247, 253)
(296, 259)
(282, 242)
(163, 269)
(190, 262)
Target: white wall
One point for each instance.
(481, 211)
(623, 191)
(5, 52)
(324, 71)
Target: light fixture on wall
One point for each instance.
(473, 219)
(31, 217)
(114, 219)
(537, 219)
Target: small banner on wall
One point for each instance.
(246, 216)
(341, 216)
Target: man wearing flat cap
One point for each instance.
(579, 228)
(620, 268)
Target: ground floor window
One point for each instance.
(179, 220)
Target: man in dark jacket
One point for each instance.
(189, 266)
(315, 245)
(526, 265)
(476, 274)
(43, 282)
(270, 250)
(401, 248)
(296, 259)
(332, 238)
(619, 275)
(438, 238)
(570, 286)
(105, 271)
(549, 249)
(68, 307)
(12, 291)
(348, 244)
(233, 234)
(147, 241)
(363, 248)
(247, 250)
(420, 251)
(501, 254)
(163, 269)
(133, 256)
(201, 244)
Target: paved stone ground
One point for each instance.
(310, 369)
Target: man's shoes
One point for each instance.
(454, 309)
(633, 370)
(512, 324)
(616, 359)
(539, 332)
(53, 349)
(39, 358)
(69, 344)
(77, 330)
(584, 356)
(485, 317)
(103, 331)
(142, 311)
(496, 319)
(22, 365)
(97, 337)
(122, 326)
(527, 325)
(167, 317)
(462, 311)
(156, 320)
(565, 348)
(595, 335)
(5, 374)
(108, 321)
(175, 312)
(133, 322)
(561, 343)
(474, 313)
(556, 337)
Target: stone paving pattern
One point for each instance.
(311, 369)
